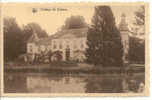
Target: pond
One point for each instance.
(18, 82)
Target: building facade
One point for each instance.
(72, 43)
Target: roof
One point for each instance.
(71, 33)
(44, 41)
(39, 41)
(123, 26)
(33, 38)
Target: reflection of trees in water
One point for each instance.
(15, 83)
(103, 85)
(21, 82)
(133, 81)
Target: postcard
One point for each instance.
(74, 49)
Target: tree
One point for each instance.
(140, 16)
(136, 50)
(34, 27)
(139, 25)
(103, 39)
(13, 36)
(74, 22)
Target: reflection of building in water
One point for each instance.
(38, 83)
(72, 42)
(15, 83)
(47, 84)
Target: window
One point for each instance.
(82, 46)
(75, 46)
(60, 46)
(31, 48)
(68, 46)
(54, 46)
(54, 42)
(39, 49)
(47, 48)
(126, 43)
(42, 48)
(67, 41)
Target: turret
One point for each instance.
(124, 32)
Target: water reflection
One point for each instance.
(55, 84)
(14, 83)
(104, 85)
(49, 83)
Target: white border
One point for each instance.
(88, 98)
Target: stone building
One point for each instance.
(72, 42)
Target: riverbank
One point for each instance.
(81, 68)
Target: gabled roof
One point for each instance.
(33, 38)
(44, 41)
(71, 33)
(39, 41)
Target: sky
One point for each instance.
(51, 20)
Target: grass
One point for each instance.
(64, 64)
(68, 67)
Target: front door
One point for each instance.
(67, 54)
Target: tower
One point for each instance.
(124, 32)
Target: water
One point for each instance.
(70, 83)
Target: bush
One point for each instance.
(63, 63)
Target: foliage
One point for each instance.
(64, 64)
(15, 39)
(34, 27)
(57, 55)
(103, 85)
(103, 39)
(139, 25)
(140, 16)
(13, 43)
(74, 22)
(136, 50)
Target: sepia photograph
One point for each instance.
(79, 49)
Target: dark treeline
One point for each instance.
(104, 39)
(74, 22)
(136, 45)
(136, 50)
(15, 37)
